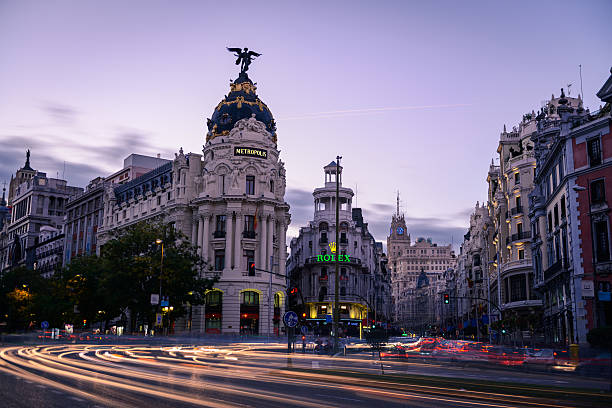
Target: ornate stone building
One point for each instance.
(364, 280)
(569, 211)
(230, 201)
(407, 261)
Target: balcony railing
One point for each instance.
(603, 267)
(552, 270)
(519, 236)
(219, 234)
(249, 234)
(516, 210)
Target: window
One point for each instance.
(521, 254)
(219, 260)
(518, 203)
(598, 191)
(554, 178)
(323, 226)
(517, 178)
(158, 200)
(602, 247)
(250, 298)
(562, 207)
(271, 186)
(556, 211)
(222, 183)
(250, 185)
(250, 257)
(549, 222)
(560, 169)
(220, 223)
(594, 152)
(343, 239)
(249, 223)
(324, 237)
(323, 274)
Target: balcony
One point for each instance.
(553, 270)
(219, 234)
(249, 234)
(603, 267)
(516, 211)
(518, 236)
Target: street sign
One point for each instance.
(158, 319)
(154, 299)
(290, 318)
(328, 318)
(45, 325)
(304, 330)
(165, 303)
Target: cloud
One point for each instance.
(61, 114)
(302, 209)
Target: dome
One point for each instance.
(241, 103)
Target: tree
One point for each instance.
(133, 264)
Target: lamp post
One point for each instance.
(161, 270)
(336, 314)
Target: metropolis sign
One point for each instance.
(251, 152)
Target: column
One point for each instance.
(263, 235)
(282, 243)
(527, 284)
(270, 242)
(194, 230)
(228, 239)
(237, 240)
(199, 239)
(205, 237)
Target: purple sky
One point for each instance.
(428, 88)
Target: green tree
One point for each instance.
(134, 268)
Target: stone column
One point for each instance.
(200, 230)
(527, 284)
(282, 242)
(270, 243)
(263, 235)
(194, 230)
(228, 239)
(237, 240)
(205, 237)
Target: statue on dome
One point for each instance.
(245, 57)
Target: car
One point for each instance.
(507, 356)
(539, 359)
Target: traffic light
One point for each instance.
(251, 268)
(446, 299)
(293, 297)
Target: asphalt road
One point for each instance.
(238, 375)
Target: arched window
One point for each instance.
(250, 298)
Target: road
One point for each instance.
(247, 375)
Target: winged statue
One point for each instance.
(245, 57)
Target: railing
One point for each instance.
(249, 234)
(219, 234)
(552, 270)
(603, 267)
(518, 236)
(516, 210)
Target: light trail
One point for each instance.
(236, 375)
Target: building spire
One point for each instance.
(397, 214)
(3, 200)
(27, 162)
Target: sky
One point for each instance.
(413, 95)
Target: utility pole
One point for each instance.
(337, 264)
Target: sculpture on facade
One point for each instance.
(245, 57)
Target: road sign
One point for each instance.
(154, 299)
(165, 302)
(45, 325)
(158, 319)
(290, 318)
(328, 318)
(304, 330)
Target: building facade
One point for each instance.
(229, 201)
(48, 252)
(569, 215)
(407, 261)
(37, 202)
(363, 277)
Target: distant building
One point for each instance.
(424, 262)
(48, 251)
(134, 166)
(37, 202)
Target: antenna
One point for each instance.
(64, 171)
(398, 201)
(581, 91)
